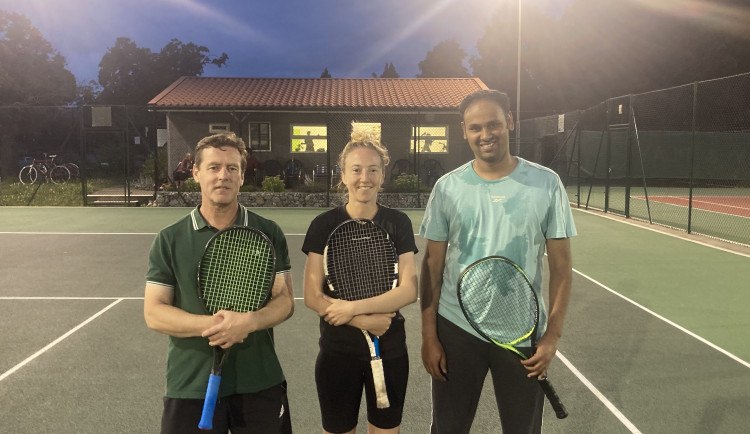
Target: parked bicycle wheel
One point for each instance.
(28, 175)
(59, 174)
(75, 172)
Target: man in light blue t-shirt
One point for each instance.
(496, 204)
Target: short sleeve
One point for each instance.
(283, 263)
(159, 262)
(560, 218)
(434, 223)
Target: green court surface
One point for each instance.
(655, 338)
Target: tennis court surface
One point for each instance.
(656, 337)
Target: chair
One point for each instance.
(400, 167)
(293, 173)
(320, 172)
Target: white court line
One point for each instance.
(625, 421)
(105, 233)
(672, 323)
(625, 221)
(11, 297)
(56, 341)
(78, 233)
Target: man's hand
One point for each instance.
(433, 359)
(229, 328)
(538, 363)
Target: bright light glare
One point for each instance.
(729, 19)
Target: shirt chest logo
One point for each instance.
(497, 199)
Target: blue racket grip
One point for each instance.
(209, 405)
(376, 344)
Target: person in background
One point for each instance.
(184, 170)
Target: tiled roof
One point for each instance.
(316, 93)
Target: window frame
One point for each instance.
(219, 127)
(259, 147)
(302, 137)
(420, 141)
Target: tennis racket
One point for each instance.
(360, 262)
(236, 273)
(500, 303)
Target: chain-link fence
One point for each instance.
(124, 155)
(679, 157)
(102, 155)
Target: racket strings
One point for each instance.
(236, 272)
(499, 299)
(360, 261)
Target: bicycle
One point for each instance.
(47, 167)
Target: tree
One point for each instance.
(32, 74)
(388, 72)
(325, 74)
(133, 75)
(444, 60)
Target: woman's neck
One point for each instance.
(357, 210)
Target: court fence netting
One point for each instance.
(678, 157)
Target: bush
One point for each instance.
(188, 185)
(407, 184)
(273, 183)
(249, 188)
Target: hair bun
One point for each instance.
(362, 135)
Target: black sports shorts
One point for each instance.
(340, 380)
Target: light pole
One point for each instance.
(518, 85)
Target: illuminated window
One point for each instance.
(309, 138)
(260, 136)
(430, 138)
(373, 127)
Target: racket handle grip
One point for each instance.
(209, 405)
(554, 400)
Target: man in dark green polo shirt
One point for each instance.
(252, 396)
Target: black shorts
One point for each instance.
(340, 380)
(266, 411)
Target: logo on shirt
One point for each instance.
(497, 199)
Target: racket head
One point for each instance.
(359, 260)
(499, 301)
(237, 270)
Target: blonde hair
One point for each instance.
(229, 140)
(361, 138)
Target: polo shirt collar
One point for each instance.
(200, 223)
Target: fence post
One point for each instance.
(692, 158)
(628, 160)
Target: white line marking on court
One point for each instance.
(672, 323)
(625, 421)
(78, 233)
(625, 221)
(56, 341)
(10, 297)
